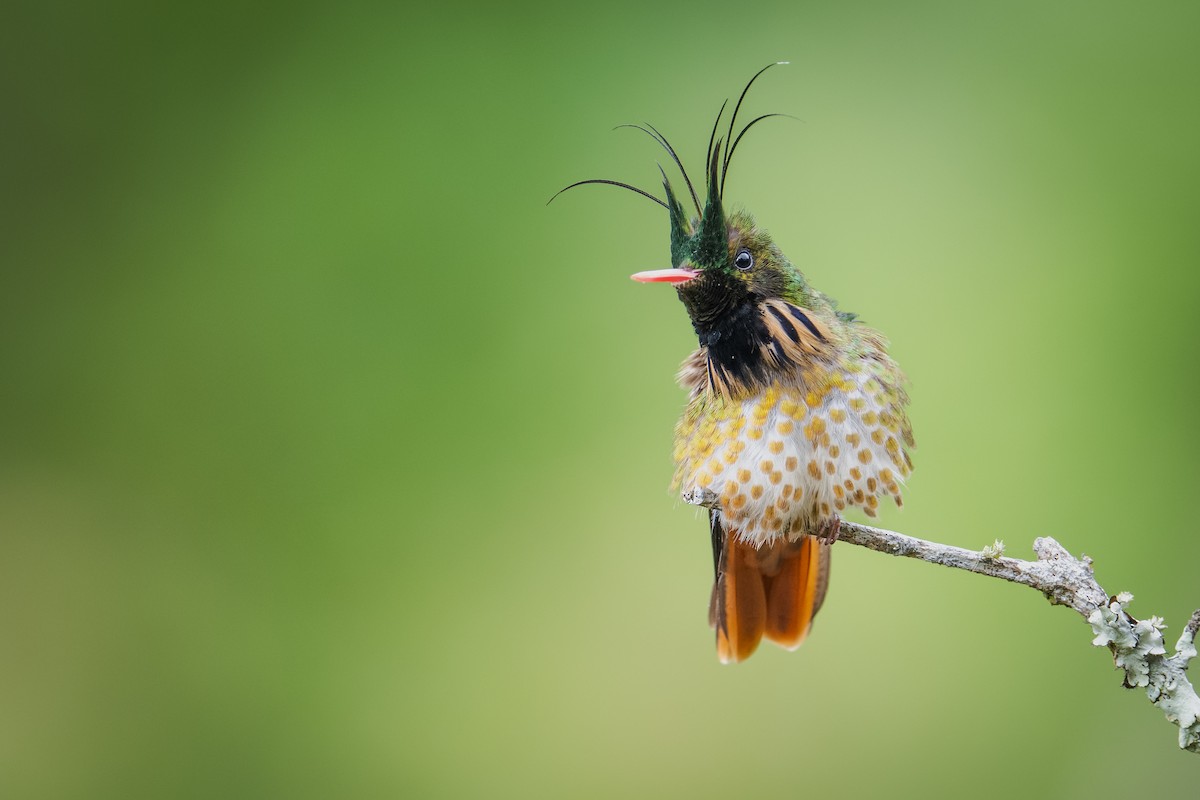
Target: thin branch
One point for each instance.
(1137, 646)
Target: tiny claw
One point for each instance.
(829, 529)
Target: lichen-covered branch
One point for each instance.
(1137, 646)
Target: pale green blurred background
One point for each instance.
(333, 463)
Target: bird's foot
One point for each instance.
(829, 529)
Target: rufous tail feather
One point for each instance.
(794, 594)
(773, 591)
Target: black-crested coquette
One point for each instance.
(795, 410)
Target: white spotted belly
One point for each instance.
(791, 458)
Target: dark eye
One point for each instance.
(743, 260)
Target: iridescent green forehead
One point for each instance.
(703, 242)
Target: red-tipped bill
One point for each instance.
(665, 275)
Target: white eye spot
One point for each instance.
(743, 260)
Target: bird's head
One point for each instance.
(722, 264)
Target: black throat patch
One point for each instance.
(736, 343)
(753, 345)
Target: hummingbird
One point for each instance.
(795, 411)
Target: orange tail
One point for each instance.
(773, 591)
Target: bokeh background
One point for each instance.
(334, 463)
